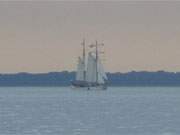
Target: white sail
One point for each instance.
(80, 70)
(101, 70)
(91, 69)
(101, 74)
(100, 79)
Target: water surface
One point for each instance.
(63, 111)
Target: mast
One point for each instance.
(96, 62)
(84, 58)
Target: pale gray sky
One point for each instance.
(46, 36)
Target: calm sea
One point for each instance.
(63, 111)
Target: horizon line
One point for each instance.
(75, 72)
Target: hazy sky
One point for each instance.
(46, 36)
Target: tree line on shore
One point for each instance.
(64, 78)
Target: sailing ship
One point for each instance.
(90, 74)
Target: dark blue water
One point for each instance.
(63, 111)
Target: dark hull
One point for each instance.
(84, 84)
(79, 84)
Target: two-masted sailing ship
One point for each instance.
(90, 73)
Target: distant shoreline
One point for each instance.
(64, 78)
